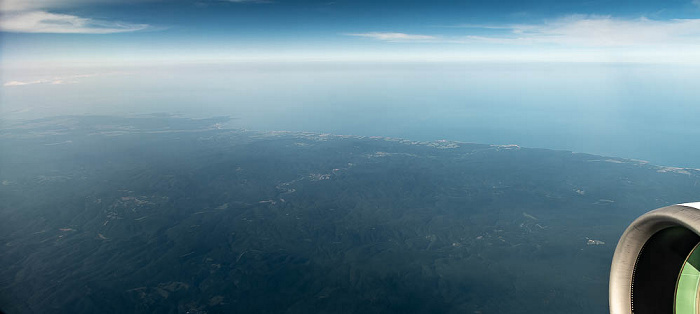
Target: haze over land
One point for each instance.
(635, 111)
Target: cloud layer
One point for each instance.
(387, 36)
(33, 16)
(60, 80)
(50, 5)
(46, 22)
(607, 31)
(575, 30)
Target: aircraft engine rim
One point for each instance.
(656, 267)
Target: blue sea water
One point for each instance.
(636, 111)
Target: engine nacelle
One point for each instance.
(656, 266)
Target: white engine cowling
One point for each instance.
(656, 267)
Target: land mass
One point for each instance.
(172, 215)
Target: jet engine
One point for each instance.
(656, 266)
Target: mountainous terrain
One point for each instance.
(172, 215)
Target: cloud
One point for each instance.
(574, 30)
(23, 83)
(33, 16)
(395, 37)
(70, 79)
(46, 22)
(696, 2)
(50, 5)
(581, 30)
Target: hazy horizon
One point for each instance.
(629, 110)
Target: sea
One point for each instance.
(630, 110)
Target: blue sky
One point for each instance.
(545, 30)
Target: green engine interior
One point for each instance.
(686, 299)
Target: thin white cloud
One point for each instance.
(394, 37)
(580, 30)
(70, 79)
(696, 2)
(23, 83)
(50, 5)
(46, 22)
(37, 16)
(575, 30)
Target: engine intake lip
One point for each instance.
(649, 257)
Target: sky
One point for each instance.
(103, 31)
(617, 78)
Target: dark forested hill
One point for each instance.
(171, 215)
